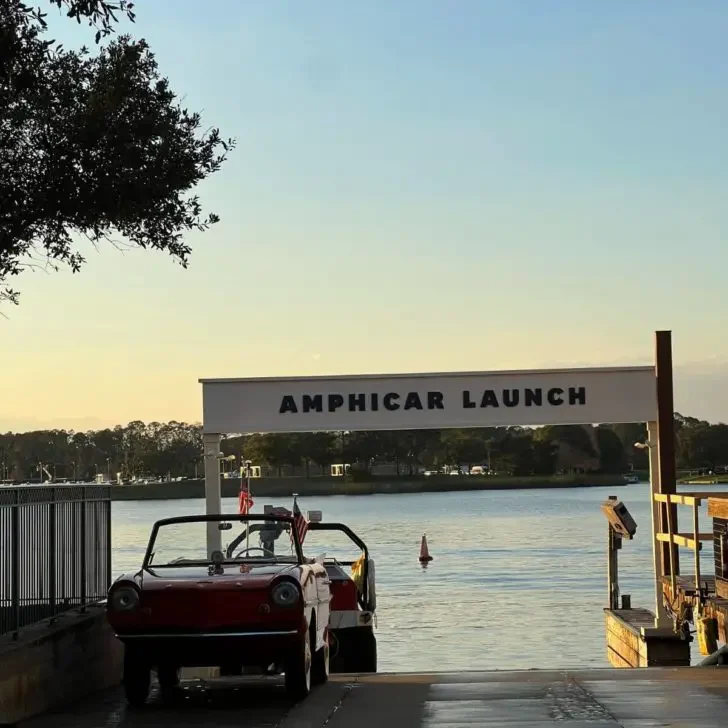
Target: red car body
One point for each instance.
(266, 612)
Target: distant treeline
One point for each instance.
(175, 449)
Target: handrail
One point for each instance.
(689, 498)
(692, 540)
(55, 551)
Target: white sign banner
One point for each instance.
(429, 401)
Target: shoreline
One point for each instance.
(324, 486)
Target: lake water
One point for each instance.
(518, 578)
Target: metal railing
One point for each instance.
(55, 551)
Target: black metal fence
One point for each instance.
(55, 551)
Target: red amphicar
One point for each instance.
(263, 607)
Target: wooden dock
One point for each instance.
(666, 697)
(686, 593)
(634, 641)
(718, 509)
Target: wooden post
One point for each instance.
(671, 531)
(666, 448)
(696, 536)
(610, 567)
(614, 543)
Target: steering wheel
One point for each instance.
(246, 551)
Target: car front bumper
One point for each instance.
(213, 649)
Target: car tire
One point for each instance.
(320, 664)
(298, 669)
(137, 680)
(168, 679)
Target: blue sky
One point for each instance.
(417, 186)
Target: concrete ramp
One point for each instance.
(641, 698)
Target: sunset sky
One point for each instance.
(418, 186)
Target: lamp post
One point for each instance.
(344, 433)
(226, 459)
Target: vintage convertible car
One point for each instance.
(264, 606)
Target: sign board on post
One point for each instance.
(425, 401)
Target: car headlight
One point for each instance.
(285, 594)
(124, 599)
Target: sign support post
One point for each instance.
(665, 446)
(213, 499)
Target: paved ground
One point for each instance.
(643, 698)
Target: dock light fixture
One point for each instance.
(620, 519)
(644, 445)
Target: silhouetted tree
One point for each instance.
(92, 146)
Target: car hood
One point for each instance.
(246, 575)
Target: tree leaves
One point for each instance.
(93, 145)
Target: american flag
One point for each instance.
(245, 500)
(299, 522)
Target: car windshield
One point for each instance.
(258, 540)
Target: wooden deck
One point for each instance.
(721, 588)
(686, 585)
(718, 505)
(634, 641)
(666, 697)
(715, 606)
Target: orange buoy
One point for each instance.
(424, 551)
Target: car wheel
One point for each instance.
(320, 663)
(168, 678)
(298, 669)
(137, 679)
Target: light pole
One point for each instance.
(227, 459)
(344, 433)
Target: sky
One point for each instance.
(417, 186)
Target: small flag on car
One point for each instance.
(299, 521)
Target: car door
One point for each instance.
(323, 596)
